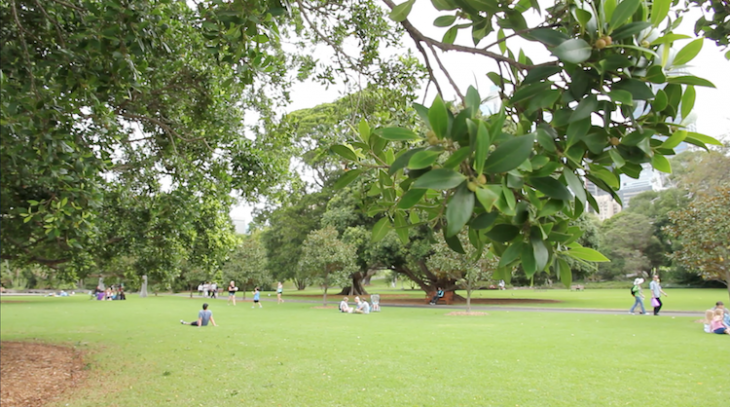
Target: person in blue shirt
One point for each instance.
(439, 295)
(204, 316)
(256, 298)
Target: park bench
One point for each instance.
(447, 299)
(577, 287)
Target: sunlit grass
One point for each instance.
(295, 355)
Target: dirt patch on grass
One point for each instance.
(34, 374)
(473, 313)
(396, 299)
(11, 302)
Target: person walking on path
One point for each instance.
(638, 296)
(232, 292)
(656, 293)
(256, 298)
(204, 316)
(279, 292)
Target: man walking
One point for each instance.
(656, 293)
(204, 316)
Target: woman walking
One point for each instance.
(638, 296)
(279, 292)
(232, 292)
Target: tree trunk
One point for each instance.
(324, 297)
(368, 275)
(300, 283)
(143, 289)
(468, 298)
(356, 288)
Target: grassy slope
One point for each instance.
(294, 355)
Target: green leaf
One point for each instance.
(629, 30)
(444, 5)
(623, 12)
(510, 154)
(488, 195)
(660, 163)
(401, 227)
(575, 185)
(509, 196)
(450, 35)
(397, 134)
(703, 138)
(438, 117)
(688, 101)
(424, 159)
(638, 89)
(457, 157)
(669, 38)
(482, 147)
(622, 96)
(688, 52)
(411, 198)
(660, 101)
(540, 252)
(381, 228)
(541, 73)
(401, 11)
(473, 100)
(364, 130)
(573, 51)
(674, 139)
(655, 74)
(459, 210)
(584, 109)
(513, 252)
(587, 254)
(527, 258)
(403, 160)
(548, 36)
(503, 232)
(577, 130)
(566, 275)
(551, 187)
(444, 21)
(608, 8)
(616, 158)
(691, 80)
(484, 220)
(503, 44)
(582, 16)
(659, 10)
(440, 179)
(344, 152)
(346, 179)
(551, 207)
(454, 243)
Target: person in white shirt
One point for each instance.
(362, 306)
(656, 293)
(345, 307)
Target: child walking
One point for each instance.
(256, 298)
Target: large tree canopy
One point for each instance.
(122, 124)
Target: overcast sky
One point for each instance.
(711, 107)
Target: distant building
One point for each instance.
(607, 206)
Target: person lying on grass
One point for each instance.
(204, 316)
(362, 306)
(718, 326)
(345, 307)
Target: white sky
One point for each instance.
(711, 105)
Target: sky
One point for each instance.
(712, 108)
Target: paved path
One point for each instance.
(491, 308)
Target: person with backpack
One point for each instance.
(638, 296)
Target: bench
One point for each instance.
(577, 288)
(447, 299)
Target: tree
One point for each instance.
(626, 238)
(703, 229)
(702, 172)
(326, 259)
(575, 114)
(113, 113)
(470, 269)
(247, 264)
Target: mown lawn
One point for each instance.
(295, 355)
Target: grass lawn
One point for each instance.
(684, 299)
(295, 355)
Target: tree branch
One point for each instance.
(52, 20)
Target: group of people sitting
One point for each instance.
(361, 307)
(208, 290)
(717, 320)
(109, 294)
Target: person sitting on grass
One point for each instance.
(362, 306)
(438, 296)
(709, 314)
(718, 326)
(204, 316)
(725, 311)
(345, 307)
